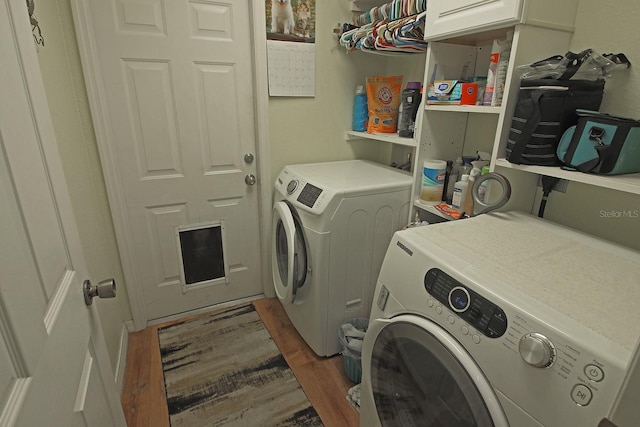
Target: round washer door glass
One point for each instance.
(417, 380)
(289, 252)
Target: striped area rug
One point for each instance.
(225, 370)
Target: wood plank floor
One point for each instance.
(322, 379)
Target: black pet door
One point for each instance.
(202, 255)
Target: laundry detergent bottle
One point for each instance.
(410, 102)
(360, 110)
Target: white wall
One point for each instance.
(67, 98)
(607, 26)
(304, 130)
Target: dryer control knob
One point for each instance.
(292, 186)
(537, 350)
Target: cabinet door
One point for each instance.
(459, 17)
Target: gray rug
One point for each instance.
(225, 370)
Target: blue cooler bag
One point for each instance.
(602, 144)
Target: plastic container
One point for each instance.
(352, 358)
(460, 193)
(454, 175)
(360, 110)
(433, 174)
(410, 102)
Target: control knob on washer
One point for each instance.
(537, 350)
(292, 186)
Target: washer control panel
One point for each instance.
(309, 195)
(479, 312)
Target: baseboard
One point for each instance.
(127, 328)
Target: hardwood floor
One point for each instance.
(322, 379)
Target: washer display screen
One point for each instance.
(309, 195)
(473, 308)
(459, 299)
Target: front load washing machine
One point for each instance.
(332, 223)
(499, 320)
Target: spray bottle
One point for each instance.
(475, 172)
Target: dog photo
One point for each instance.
(282, 17)
(291, 20)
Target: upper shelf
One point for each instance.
(628, 183)
(392, 138)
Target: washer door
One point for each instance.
(289, 254)
(421, 375)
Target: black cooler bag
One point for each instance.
(545, 109)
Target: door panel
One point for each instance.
(178, 84)
(45, 325)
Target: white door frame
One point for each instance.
(102, 122)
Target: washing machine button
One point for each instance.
(439, 310)
(581, 394)
(430, 302)
(451, 319)
(476, 338)
(465, 330)
(594, 373)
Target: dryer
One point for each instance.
(332, 223)
(499, 320)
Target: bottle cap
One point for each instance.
(359, 89)
(414, 85)
(465, 177)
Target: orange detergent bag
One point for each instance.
(383, 99)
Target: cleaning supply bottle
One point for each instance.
(460, 192)
(454, 175)
(409, 104)
(360, 110)
(468, 200)
(482, 190)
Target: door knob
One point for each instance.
(250, 179)
(248, 158)
(104, 289)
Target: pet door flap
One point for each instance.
(202, 255)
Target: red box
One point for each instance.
(469, 94)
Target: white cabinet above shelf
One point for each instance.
(627, 183)
(392, 138)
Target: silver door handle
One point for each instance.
(104, 289)
(248, 158)
(250, 179)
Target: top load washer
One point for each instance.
(332, 223)
(502, 319)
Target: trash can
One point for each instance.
(351, 334)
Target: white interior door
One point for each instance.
(177, 82)
(54, 369)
